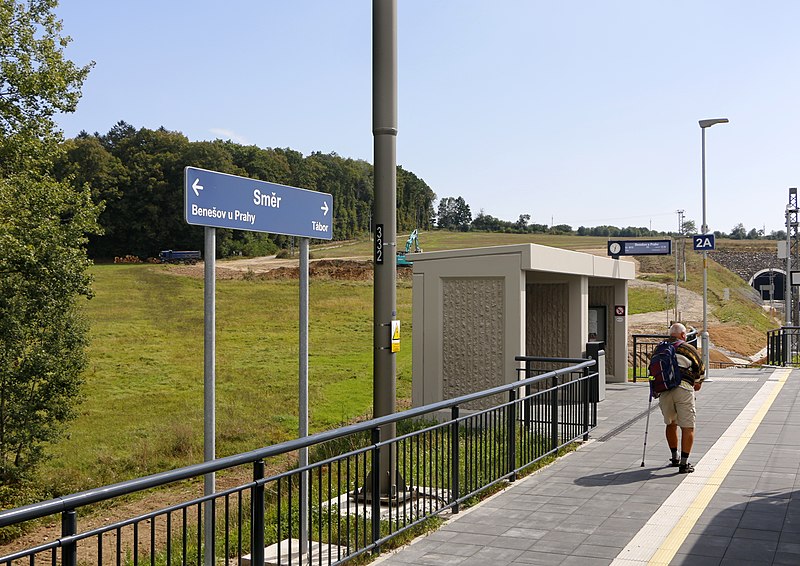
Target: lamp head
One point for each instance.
(710, 122)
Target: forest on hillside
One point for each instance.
(137, 175)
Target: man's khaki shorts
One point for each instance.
(677, 406)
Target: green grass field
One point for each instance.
(642, 300)
(143, 398)
(444, 240)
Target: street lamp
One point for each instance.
(790, 210)
(704, 338)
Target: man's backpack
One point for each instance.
(664, 371)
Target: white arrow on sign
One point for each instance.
(197, 187)
(324, 208)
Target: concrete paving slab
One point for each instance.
(592, 503)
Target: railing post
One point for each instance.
(769, 347)
(776, 348)
(69, 527)
(511, 434)
(635, 359)
(455, 459)
(376, 488)
(784, 346)
(773, 358)
(257, 526)
(771, 344)
(527, 406)
(554, 413)
(586, 398)
(528, 400)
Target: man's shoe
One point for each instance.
(674, 462)
(686, 468)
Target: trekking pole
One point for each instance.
(646, 427)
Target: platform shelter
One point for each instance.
(475, 310)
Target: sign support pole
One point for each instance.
(209, 378)
(303, 392)
(675, 318)
(219, 200)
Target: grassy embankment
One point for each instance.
(643, 299)
(743, 321)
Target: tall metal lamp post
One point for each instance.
(704, 338)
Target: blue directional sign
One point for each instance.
(220, 200)
(703, 242)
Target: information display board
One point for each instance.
(639, 247)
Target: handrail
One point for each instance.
(783, 346)
(689, 335)
(543, 359)
(73, 501)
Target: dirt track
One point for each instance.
(728, 342)
(345, 269)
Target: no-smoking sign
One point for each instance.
(619, 310)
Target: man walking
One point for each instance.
(678, 405)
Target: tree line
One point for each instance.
(136, 175)
(453, 213)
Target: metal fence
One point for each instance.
(645, 344)
(440, 463)
(783, 346)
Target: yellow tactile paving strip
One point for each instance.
(679, 513)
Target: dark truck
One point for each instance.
(176, 256)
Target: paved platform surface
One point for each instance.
(599, 506)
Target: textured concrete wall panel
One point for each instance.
(547, 319)
(473, 313)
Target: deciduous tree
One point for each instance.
(43, 227)
(739, 232)
(688, 228)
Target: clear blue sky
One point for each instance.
(583, 112)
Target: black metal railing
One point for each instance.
(569, 401)
(440, 463)
(645, 344)
(783, 346)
